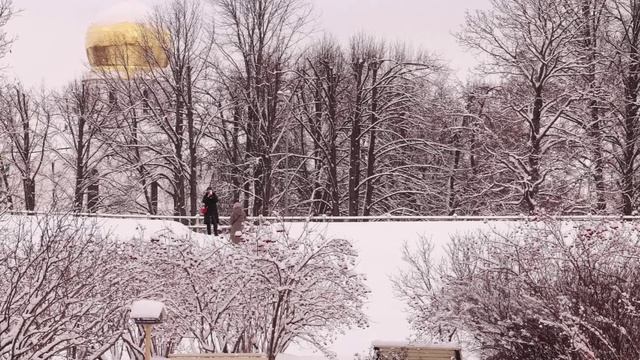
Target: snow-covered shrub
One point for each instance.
(300, 289)
(259, 296)
(58, 289)
(66, 290)
(544, 290)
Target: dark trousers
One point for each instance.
(209, 221)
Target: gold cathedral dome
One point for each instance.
(120, 41)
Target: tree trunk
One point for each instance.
(142, 171)
(255, 155)
(78, 202)
(154, 198)
(4, 171)
(452, 205)
(179, 193)
(354, 141)
(332, 165)
(631, 83)
(318, 191)
(271, 100)
(266, 191)
(628, 151)
(371, 153)
(29, 194)
(249, 181)
(28, 179)
(271, 346)
(93, 191)
(258, 185)
(237, 176)
(193, 187)
(531, 186)
(594, 131)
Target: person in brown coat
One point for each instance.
(236, 220)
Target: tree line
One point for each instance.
(290, 122)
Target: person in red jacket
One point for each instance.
(210, 201)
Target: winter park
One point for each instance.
(319, 179)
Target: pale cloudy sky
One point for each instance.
(49, 49)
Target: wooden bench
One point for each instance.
(414, 351)
(219, 356)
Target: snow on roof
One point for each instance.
(410, 344)
(146, 309)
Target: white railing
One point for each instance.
(323, 218)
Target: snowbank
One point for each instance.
(379, 245)
(125, 230)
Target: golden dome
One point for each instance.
(124, 44)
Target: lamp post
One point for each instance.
(147, 313)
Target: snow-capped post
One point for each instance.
(147, 313)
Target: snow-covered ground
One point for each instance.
(380, 248)
(380, 257)
(126, 230)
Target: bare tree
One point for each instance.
(363, 52)
(54, 302)
(319, 112)
(591, 24)
(160, 111)
(7, 12)
(394, 95)
(84, 114)
(308, 285)
(624, 38)
(181, 29)
(26, 121)
(527, 42)
(6, 194)
(256, 41)
(478, 185)
(354, 112)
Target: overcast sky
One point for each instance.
(49, 49)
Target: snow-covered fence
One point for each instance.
(196, 222)
(322, 218)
